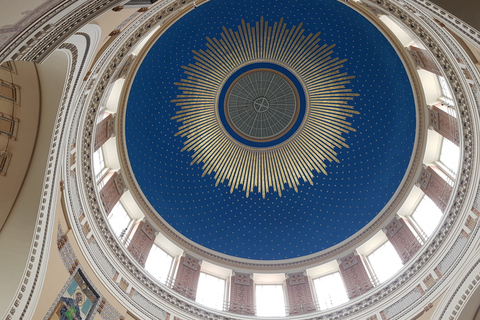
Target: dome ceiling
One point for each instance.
(346, 172)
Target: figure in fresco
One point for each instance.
(71, 307)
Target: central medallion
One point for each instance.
(261, 105)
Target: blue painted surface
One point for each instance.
(297, 224)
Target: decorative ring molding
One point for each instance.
(464, 189)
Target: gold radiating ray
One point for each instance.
(199, 70)
(248, 174)
(233, 183)
(212, 60)
(280, 41)
(222, 167)
(318, 58)
(314, 154)
(194, 125)
(219, 48)
(243, 44)
(310, 56)
(200, 156)
(327, 70)
(310, 149)
(196, 130)
(189, 85)
(233, 168)
(191, 111)
(240, 170)
(185, 86)
(304, 49)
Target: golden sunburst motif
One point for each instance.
(303, 149)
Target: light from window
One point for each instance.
(98, 163)
(447, 94)
(211, 291)
(330, 291)
(450, 155)
(158, 264)
(269, 300)
(385, 262)
(427, 215)
(105, 178)
(118, 219)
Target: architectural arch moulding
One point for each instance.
(406, 296)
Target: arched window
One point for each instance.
(449, 156)
(427, 215)
(447, 94)
(269, 300)
(118, 219)
(159, 264)
(211, 291)
(330, 291)
(99, 167)
(385, 262)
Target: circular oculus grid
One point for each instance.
(261, 105)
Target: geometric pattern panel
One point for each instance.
(296, 278)
(110, 126)
(191, 262)
(4, 161)
(65, 249)
(119, 183)
(148, 229)
(8, 91)
(423, 60)
(349, 261)
(108, 312)
(393, 227)
(424, 178)
(8, 126)
(242, 278)
(433, 119)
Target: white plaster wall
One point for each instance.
(16, 235)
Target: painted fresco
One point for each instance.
(77, 300)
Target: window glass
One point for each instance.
(385, 262)
(427, 215)
(330, 291)
(118, 219)
(447, 94)
(269, 300)
(98, 163)
(159, 263)
(211, 291)
(450, 155)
